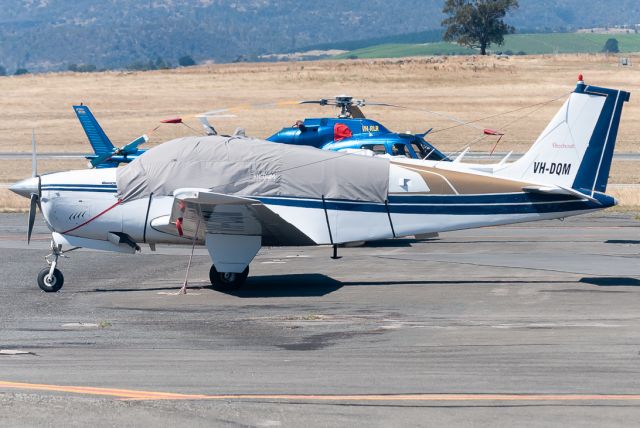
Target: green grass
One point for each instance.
(528, 43)
(568, 43)
(400, 50)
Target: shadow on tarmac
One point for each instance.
(294, 285)
(612, 281)
(316, 285)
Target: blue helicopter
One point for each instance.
(352, 130)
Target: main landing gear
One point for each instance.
(50, 279)
(225, 281)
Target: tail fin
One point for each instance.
(576, 148)
(97, 138)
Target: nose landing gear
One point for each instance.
(50, 279)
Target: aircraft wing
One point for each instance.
(217, 213)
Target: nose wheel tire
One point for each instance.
(227, 280)
(50, 283)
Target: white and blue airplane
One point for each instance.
(236, 194)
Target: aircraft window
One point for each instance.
(419, 150)
(401, 150)
(378, 149)
(428, 152)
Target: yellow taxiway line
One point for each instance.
(128, 394)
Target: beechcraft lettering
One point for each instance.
(551, 168)
(563, 146)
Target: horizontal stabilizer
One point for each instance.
(547, 190)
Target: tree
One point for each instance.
(477, 23)
(3, 71)
(21, 71)
(611, 46)
(186, 61)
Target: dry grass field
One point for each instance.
(471, 88)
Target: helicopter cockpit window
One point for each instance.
(378, 149)
(400, 150)
(419, 150)
(434, 155)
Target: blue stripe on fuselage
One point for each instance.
(516, 203)
(483, 204)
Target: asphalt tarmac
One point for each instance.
(527, 325)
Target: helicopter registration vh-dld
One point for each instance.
(235, 194)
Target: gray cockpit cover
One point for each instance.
(250, 167)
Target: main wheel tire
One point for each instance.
(227, 280)
(52, 283)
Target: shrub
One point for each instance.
(186, 61)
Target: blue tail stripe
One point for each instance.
(593, 173)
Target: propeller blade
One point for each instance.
(32, 215)
(34, 161)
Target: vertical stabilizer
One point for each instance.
(97, 138)
(576, 148)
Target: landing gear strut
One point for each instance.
(227, 280)
(50, 279)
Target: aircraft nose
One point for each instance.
(26, 187)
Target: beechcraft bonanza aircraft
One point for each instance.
(235, 194)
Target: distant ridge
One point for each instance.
(43, 35)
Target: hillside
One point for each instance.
(515, 43)
(44, 35)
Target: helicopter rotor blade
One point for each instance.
(322, 102)
(356, 113)
(249, 107)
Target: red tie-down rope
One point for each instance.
(94, 217)
(489, 131)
